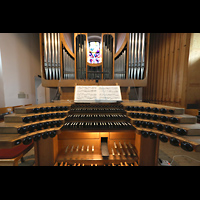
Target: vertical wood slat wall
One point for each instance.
(168, 64)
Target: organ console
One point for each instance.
(98, 134)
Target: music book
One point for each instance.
(89, 94)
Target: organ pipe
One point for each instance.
(81, 56)
(52, 56)
(136, 55)
(107, 56)
(68, 65)
(120, 65)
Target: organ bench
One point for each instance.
(125, 133)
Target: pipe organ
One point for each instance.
(97, 133)
(124, 60)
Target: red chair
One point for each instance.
(10, 157)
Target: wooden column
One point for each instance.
(147, 150)
(46, 151)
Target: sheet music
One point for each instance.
(88, 93)
(109, 93)
(97, 94)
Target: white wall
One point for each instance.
(20, 63)
(2, 100)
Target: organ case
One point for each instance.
(63, 59)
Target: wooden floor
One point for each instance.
(166, 152)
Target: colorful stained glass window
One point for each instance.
(94, 54)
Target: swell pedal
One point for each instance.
(104, 147)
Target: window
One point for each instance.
(94, 53)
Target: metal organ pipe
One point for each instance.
(108, 51)
(80, 56)
(104, 53)
(124, 64)
(45, 56)
(110, 55)
(56, 56)
(122, 60)
(64, 63)
(143, 55)
(136, 55)
(49, 54)
(52, 55)
(107, 56)
(138, 64)
(68, 65)
(120, 65)
(59, 74)
(52, 51)
(132, 53)
(84, 54)
(77, 56)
